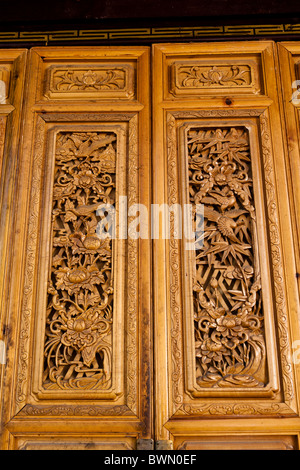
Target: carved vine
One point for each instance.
(30, 262)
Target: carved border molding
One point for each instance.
(73, 410)
(70, 443)
(149, 33)
(277, 263)
(235, 442)
(28, 293)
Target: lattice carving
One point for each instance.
(78, 339)
(229, 327)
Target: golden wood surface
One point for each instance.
(78, 324)
(107, 342)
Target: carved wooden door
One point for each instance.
(141, 338)
(79, 304)
(228, 310)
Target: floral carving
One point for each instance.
(196, 76)
(89, 80)
(78, 344)
(229, 331)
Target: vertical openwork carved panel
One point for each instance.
(229, 329)
(226, 354)
(80, 292)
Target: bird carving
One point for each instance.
(225, 223)
(84, 210)
(225, 202)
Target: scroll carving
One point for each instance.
(75, 410)
(78, 344)
(229, 327)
